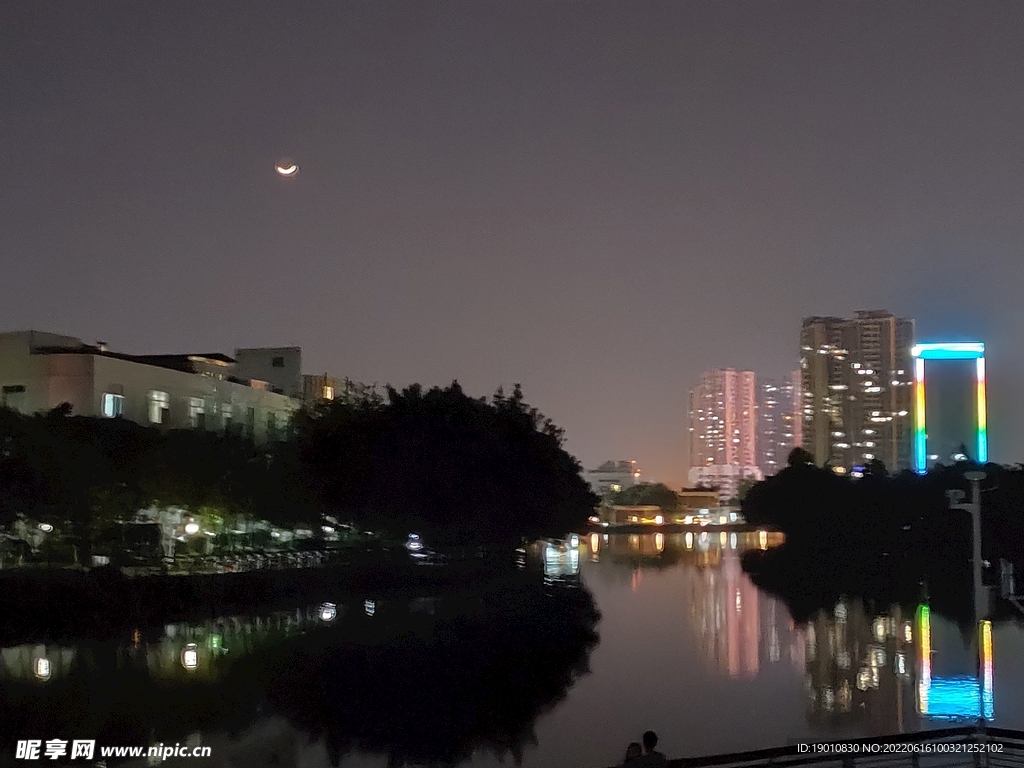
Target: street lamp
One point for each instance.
(974, 507)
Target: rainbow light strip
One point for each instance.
(957, 697)
(954, 350)
(987, 672)
(924, 634)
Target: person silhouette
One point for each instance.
(634, 754)
(651, 755)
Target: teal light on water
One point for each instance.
(959, 698)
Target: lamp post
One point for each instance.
(974, 507)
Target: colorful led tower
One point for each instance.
(955, 350)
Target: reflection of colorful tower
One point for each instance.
(958, 696)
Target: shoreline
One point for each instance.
(52, 605)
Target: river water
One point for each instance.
(689, 647)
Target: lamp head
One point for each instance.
(973, 476)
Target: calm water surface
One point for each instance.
(689, 647)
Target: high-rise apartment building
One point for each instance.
(779, 419)
(857, 382)
(723, 429)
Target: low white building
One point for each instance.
(39, 371)
(725, 477)
(612, 477)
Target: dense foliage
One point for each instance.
(878, 535)
(648, 494)
(458, 469)
(455, 469)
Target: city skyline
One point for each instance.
(599, 201)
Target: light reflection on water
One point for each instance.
(689, 647)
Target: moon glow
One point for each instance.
(286, 168)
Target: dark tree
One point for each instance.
(458, 469)
(648, 494)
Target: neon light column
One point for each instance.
(987, 673)
(982, 416)
(920, 438)
(924, 636)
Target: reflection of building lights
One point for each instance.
(908, 633)
(42, 668)
(370, 607)
(843, 660)
(762, 539)
(659, 541)
(877, 657)
(192, 528)
(328, 612)
(45, 527)
(840, 612)
(190, 657)
(595, 543)
(688, 540)
(879, 628)
(828, 699)
(863, 678)
(845, 696)
(901, 664)
(723, 538)
(733, 541)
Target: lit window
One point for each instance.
(196, 411)
(159, 407)
(113, 405)
(328, 393)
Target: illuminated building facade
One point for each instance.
(949, 351)
(780, 420)
(723, 430)
(857, 385)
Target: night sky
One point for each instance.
(597, 199)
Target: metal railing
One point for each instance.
(972, 747)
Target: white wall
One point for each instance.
(83, 378)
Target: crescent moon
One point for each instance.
(289, 171)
